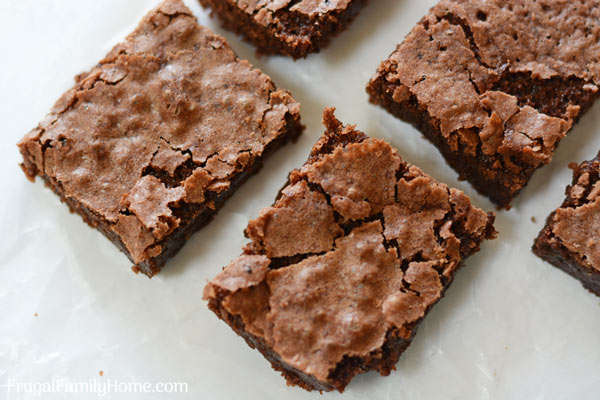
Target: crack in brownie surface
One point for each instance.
(154, 138)
(569, 239)
(343, 267)
(289, 27)
(495, 85)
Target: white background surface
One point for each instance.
(510, 327)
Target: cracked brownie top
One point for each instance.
(359, 244)
(502, 81)
(458, 59)
(546, 38)
(168, 118)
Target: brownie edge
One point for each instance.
(569, 240)
(342, 269)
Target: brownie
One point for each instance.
(149, 143)
(495, 85)
(570, 239)
(291, 28)
(342, 269)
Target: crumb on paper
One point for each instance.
(101, 373)
(35, 314)
(533, 220)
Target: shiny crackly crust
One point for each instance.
(494, 85)
(149, 143)
(339, 289)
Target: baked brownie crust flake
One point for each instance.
(152, 140)
(293, 28)
(570, 238)
(495, 85)
(343, 267)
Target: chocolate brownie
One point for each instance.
(292, 28)
(342, 269)
(495, 85)
(149, 143)
(570, 238)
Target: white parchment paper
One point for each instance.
(510, 327)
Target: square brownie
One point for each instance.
(149, 143)
(570, 240)
(495, 85)
(342, 269)
(291, 28)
